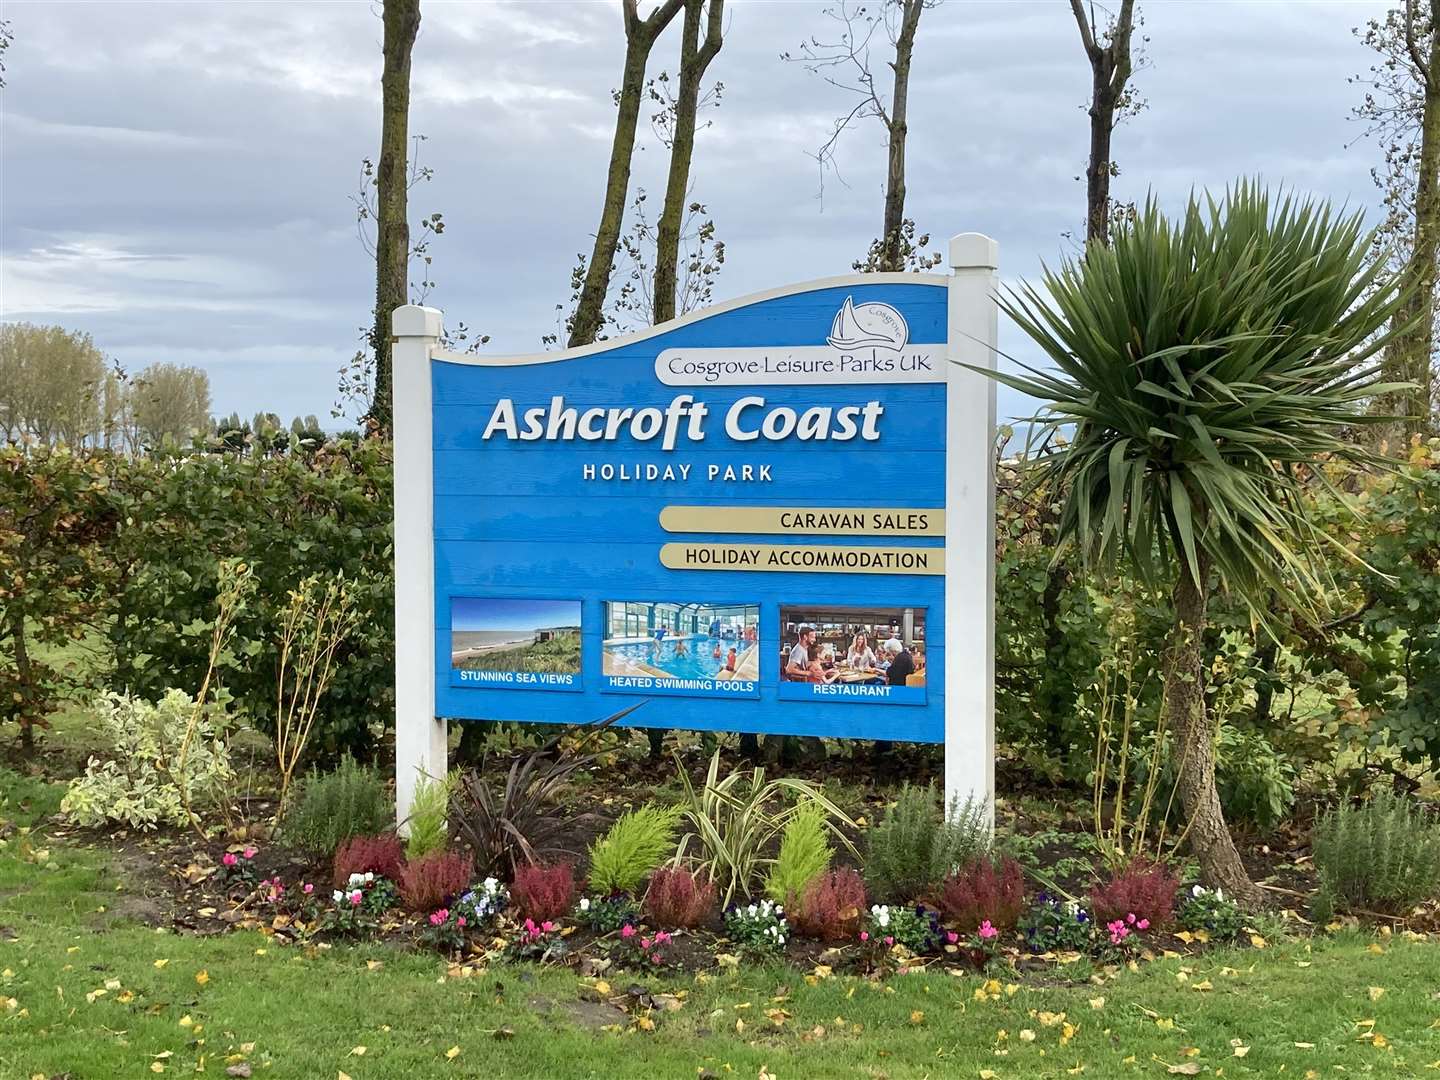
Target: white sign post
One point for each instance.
(970, 523)
(969, 652)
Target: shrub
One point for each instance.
(1143, 889)
(731, 824)
(514, 825)
(429, 810)
(912, 928)
(831, 906)
(542, 891)
(1210, 912)
(1383, 856)
(804, 855)
(678, 898)
(982, 891)
(606, 914)
(428, 882)
(623, 858)
(351, 800)
(759, 929)
(289, 516)
(380, 855)
(145, 783)
(1056, 925)
(916, 845)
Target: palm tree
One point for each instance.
(1205, 365)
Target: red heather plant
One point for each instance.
(679, 898)
(425, 883)
(379, 855)
(543, 891)
(981, 891)
(1143, 889)
(831, 907)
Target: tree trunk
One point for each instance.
(1110, 67)
(640, 35)
(1194, 742)
(1097, 168)
(392, 226)
(892, 257)
(26, 675)
(694, 59)
(1409, 356)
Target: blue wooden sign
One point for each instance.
(743, 519)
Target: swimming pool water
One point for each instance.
(697, 663)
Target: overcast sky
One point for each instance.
(176, 176)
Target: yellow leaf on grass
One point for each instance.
(1257, 941)
(157, 1066)
(202, 976)
(1203, 985)
(1376, 949)
(602, 987)
(1026, 1035)
(1097, 1003)
(185, 1021)
(917, 1017)
(343, 1076)
(161, 963)
(1049, 1019)
(1189, 1068)
(987, 1074)
(452, 1053)
(357, 1051)
(1376, 992)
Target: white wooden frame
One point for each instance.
(421, 738)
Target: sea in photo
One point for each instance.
(519, 643)
(869, 655)
(679, 647)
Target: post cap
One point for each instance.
(972, 249)
(413, 320)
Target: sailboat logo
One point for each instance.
(858, 326)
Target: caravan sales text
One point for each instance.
(745, 421)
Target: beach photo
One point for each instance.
(533, 644)
(682, 647)
(835, 653)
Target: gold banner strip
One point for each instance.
(806, 520)
(804, 559)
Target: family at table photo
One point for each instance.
(864, 661)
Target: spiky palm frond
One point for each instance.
(1204, 366)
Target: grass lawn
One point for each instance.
(85, 993)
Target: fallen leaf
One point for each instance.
(452, 1053)
(1376, 992)
(1097, 1003)
(202, 976)
(161, 963)
(357, 1051)
(1188, 1068)
(241, 1070)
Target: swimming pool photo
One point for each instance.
(679, 640)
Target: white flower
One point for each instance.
(1219, 894)
(338, 896)
(369, 879)
(1198, 891)
(584, 903)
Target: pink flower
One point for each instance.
(987, 931)
(530, 926)
(251, 852)
(438, 917)
(460, 921)
(951, 937)
(1143, 924)
(645, 943)
(229, 858)
(356, 897)
(307, 888)
(662, 937)
(889, 940)
(627, 931)
(547, 926)
(1130, 918)
(864, 935)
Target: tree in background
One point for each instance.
(170, 401)
(52, 384)
(1205, 367)
(1108, 49)
(695, 57)
(846, 64)
(1402, 110)
(594, 278)
(392, 227)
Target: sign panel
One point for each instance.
(774, 515)
(680, 496)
